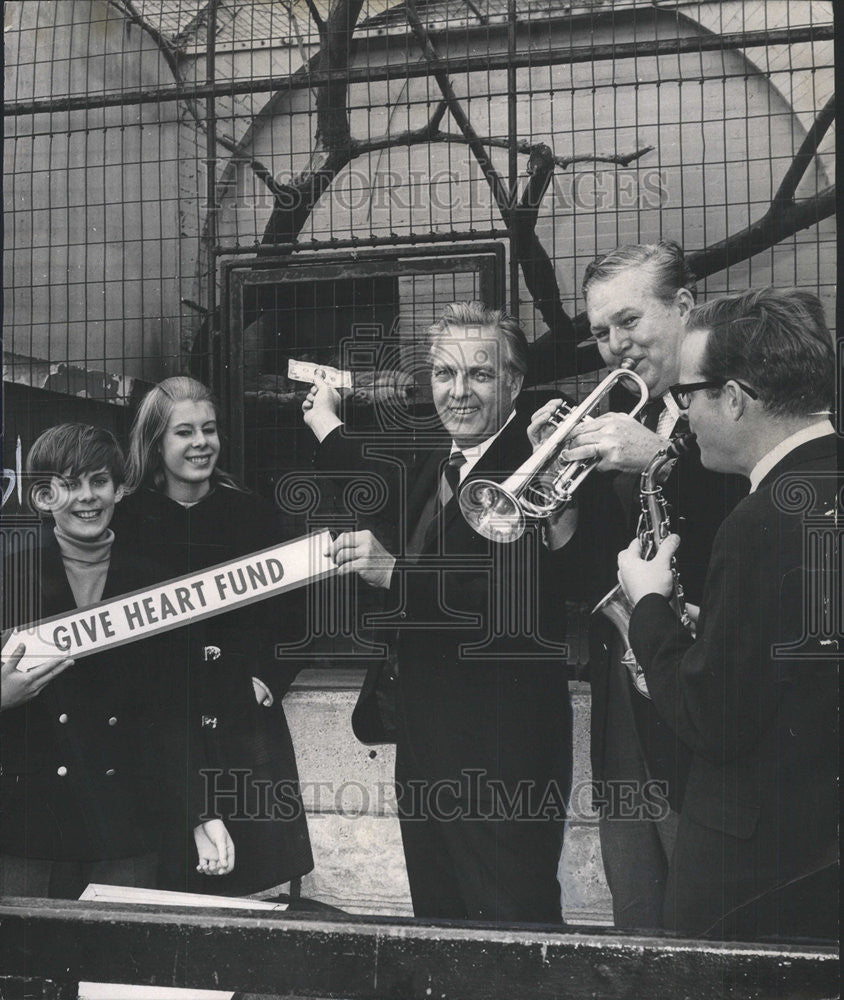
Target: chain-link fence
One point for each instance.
(356, 153)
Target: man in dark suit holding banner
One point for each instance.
(483, 766)
(754, 697)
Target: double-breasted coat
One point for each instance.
(253, 782)
(92, 764)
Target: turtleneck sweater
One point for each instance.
(86, 565)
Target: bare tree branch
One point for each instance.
(333, 132)
(333, 142)
(493, 178)
(525, 146)
(784, 216)
(475, 142)
(537, 268)
(294, 21)
(805, 155)
(776, 225)
(412, 137)
(262, 172)
(171, 56)
(621, 159)
(316, 17)
(431, 133)
(183, 38)
(335, 147)
(482, 18)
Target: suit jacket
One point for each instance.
(478, 629)
(89, 765)
(698, 501)
(761, 803)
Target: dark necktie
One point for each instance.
(451, 477)
(651, 412)
(447, 486)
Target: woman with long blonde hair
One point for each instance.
(188, 514)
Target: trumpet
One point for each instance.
(653, 528)
(543, 484)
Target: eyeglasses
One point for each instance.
(682, 392)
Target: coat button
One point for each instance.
(62, 771)
(110, 771)
(63, 718)
(112, 721)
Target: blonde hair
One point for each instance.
(144, 466)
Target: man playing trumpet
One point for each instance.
(637, 300)
(754, 696)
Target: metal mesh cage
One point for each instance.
(150, 143)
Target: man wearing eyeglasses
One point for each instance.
(755, 695)
(637, 300)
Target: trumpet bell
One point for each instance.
(492, 511)
(544, 483)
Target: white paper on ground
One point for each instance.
(161, 897)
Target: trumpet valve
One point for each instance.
(560, 414)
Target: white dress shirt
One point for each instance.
(778, 453)
(473, 453)
(668, 418)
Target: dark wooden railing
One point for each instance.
(47, 946)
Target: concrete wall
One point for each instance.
(99, 206)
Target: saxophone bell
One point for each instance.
(654, 527)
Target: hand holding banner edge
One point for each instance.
(175, 602)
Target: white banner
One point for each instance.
(174, 603)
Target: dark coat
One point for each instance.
(478, 630)
(761, 802)
(241, 735)
(90, 764)
(698, 501)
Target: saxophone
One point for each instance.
(652, 530)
